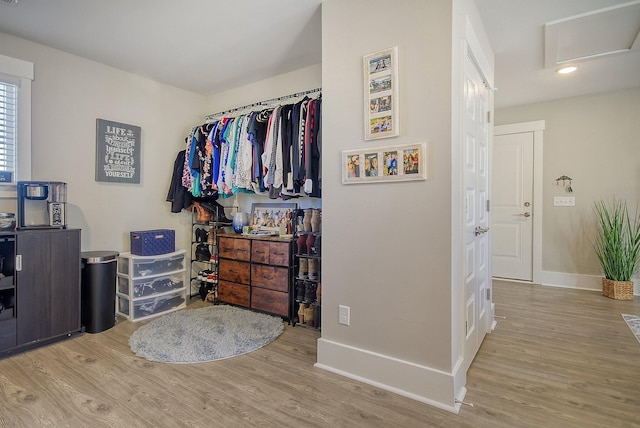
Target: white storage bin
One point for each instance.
(144, 287)
(145, 266)
(139, 309)
(148, 286)
(122, 306)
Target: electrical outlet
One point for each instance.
(564, 201)
(344, 314)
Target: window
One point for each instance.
(8, 130)
(15, 123)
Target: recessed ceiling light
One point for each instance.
(567, 70)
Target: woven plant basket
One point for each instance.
(619, 290)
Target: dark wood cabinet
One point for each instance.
(256, 273)
(47, 288)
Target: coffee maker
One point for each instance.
(42, 204)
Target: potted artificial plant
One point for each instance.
(617, 246)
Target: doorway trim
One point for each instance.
(537, 128)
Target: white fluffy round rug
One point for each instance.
(205, 334)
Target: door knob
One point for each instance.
(480, 230)
(527, 214)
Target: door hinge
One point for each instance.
(488, 294)
(489, 117)
(19, 262)
(488, 205)
(466, 327)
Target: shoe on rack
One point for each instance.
(303, 268)
(310, 293)
(202, 253)
(200, 234)
(308, 315)
(217, 212)
(312, 269)
(299, 291)
(203, 290)
(301, 244)
(202, 215)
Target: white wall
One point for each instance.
(594, 140)
(69, 93)
(386, 246)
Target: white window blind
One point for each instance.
(8, 125)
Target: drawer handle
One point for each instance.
(244, 250)
(268, 277)
(259, 251)
(233, 271)
(278, 254)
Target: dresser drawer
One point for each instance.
(271, 277)
(270, 301)
(236, 294)
(234, 248)
(270, 253)
(234, 271)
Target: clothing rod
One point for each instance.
(210, 117)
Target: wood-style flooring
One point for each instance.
(557, 358)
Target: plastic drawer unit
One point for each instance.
(149, 286)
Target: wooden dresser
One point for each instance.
(256, 273)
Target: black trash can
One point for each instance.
(98, 294)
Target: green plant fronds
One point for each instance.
(617, 243)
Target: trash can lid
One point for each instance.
(98, 256)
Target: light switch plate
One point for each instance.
(564, 201)
(344, 314)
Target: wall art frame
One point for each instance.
(270, 216)
(381, 116)
(117, 152)
(407, 162)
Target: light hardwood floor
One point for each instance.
(558, 358)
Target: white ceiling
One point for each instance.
(213, 45)
(516, 29)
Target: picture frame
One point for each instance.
(117, 152)
(381, 117)
(270, 217)
(407, 162)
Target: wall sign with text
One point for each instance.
(117, 152)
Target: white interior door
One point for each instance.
(512, 206)
(477, 280)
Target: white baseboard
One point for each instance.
(578, 281)
(415, 381)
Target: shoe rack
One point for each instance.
(206, 225)
(307, 293)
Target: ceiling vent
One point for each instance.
(9, 2)
(609, 31)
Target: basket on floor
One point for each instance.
(619, 290)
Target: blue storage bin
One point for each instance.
(153, 242)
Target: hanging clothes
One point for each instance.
(178, 194)
(274, 149)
